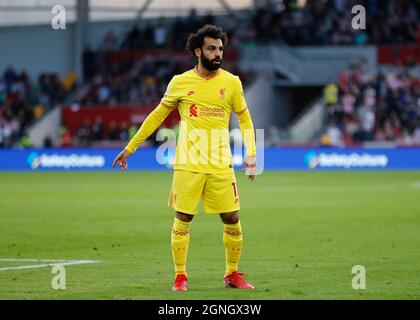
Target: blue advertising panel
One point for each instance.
(269, 159)
(342, 159)
(74, 159)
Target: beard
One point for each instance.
(209, 64)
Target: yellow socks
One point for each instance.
(180, 239)
(232, 238)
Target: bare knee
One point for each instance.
(230, 217)
(184, 216)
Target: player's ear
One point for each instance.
(197, 52)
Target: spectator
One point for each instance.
(83, 134)
(132, 39)
(331, 94)
(98, 129)
(113, 132)
(334, 134)
(123, 132)
(132, 131)
(25, 141)
(9, 77)
(160, 34)
(48, 143)
(66, 140)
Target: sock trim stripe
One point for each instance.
(233, 233)
(179, 233)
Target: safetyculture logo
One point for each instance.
(346, 161)
(57, 161)
(311, 160)
(33, 160)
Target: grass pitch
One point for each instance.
(303, 233)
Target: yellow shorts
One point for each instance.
(218, 191)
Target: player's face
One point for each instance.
(211, 54)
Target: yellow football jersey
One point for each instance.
(205, 105)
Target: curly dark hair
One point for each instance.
(196, 40)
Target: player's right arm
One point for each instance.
(153, 121)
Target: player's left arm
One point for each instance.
(247, 129)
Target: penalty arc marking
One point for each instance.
(48, 263)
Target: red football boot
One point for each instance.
(235, 280)
(180, 283)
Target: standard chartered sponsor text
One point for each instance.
(211, 112)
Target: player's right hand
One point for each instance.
(121, 160)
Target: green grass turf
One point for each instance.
(303, 233)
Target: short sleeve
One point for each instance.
(170, 97)
(238, 98)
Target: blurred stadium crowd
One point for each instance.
(329, 22)
(140, 82)
(135, 69)
(374, 106)
(22, 101)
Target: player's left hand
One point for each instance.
(250, 163)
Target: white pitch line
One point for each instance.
(56, 263)
(39, 260)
